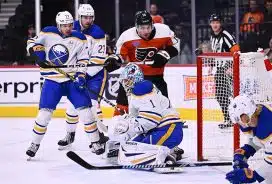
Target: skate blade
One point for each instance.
(60, 148)
(29, 159)
(168, 170)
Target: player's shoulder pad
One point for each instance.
(162, 30)
(162, 27)
(142, 88)
(51, 29)
(78, 35)
(77, 26)
(96, 32)
(129, 32)
(264, 129)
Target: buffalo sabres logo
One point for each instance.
(145, 54)
(58, 54)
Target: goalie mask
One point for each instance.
(131, 75)
(240, 105)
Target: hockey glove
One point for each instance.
(241, 155)
(80, 81)
(38, 54)
(112, 63)
(245, 175)
(160, 59)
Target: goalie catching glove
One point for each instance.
(122, 128)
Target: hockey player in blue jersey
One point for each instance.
(255, 120)
(57, 46)
(152, 127)
(96, 76)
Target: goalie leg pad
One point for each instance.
(71, 117)
(87, 118)
(40, 126)
(135, 153)
(169, 136)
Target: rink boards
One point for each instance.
(20, 90)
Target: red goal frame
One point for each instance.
(236, 90)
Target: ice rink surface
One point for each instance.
(51, 166)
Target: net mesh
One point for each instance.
(217, 74)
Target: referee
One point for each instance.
(222, 41)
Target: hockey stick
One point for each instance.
(74, 66)
(72, 78)
(76, 158)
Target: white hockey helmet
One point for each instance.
(85, 10)
(241, 104)
(64, 18)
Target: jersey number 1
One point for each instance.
(152, 103)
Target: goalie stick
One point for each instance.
(76, 158)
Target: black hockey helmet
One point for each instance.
(143, 18)
(215, 17)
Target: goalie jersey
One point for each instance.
(150, 108)
(129, 42)
(60, 50)
(261, 137)
(96, 45)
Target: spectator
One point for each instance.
(205, 47)
(252, 33)
(251, 19)
(268, 51)
(154, 14)
(110, 45)
(268, 11)
(30, 31)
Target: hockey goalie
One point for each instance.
(152, 130)
(254, 119)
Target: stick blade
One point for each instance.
(73, 156)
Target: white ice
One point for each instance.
(51, 166)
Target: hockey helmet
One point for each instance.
(240, 105)
(215, 17)
(64, 18)
(86, 10)
(143, 18)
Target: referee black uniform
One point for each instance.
(223, 41)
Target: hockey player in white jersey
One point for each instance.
(152, 127)
(255, 120)
(57, 46)
(96, 76)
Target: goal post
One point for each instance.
(228, 75)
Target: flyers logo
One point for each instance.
(145, 54)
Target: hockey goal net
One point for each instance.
(227, 76)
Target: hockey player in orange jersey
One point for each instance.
(148, 45)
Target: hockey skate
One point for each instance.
(67, 141)
(99, 146)
(32, 150)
